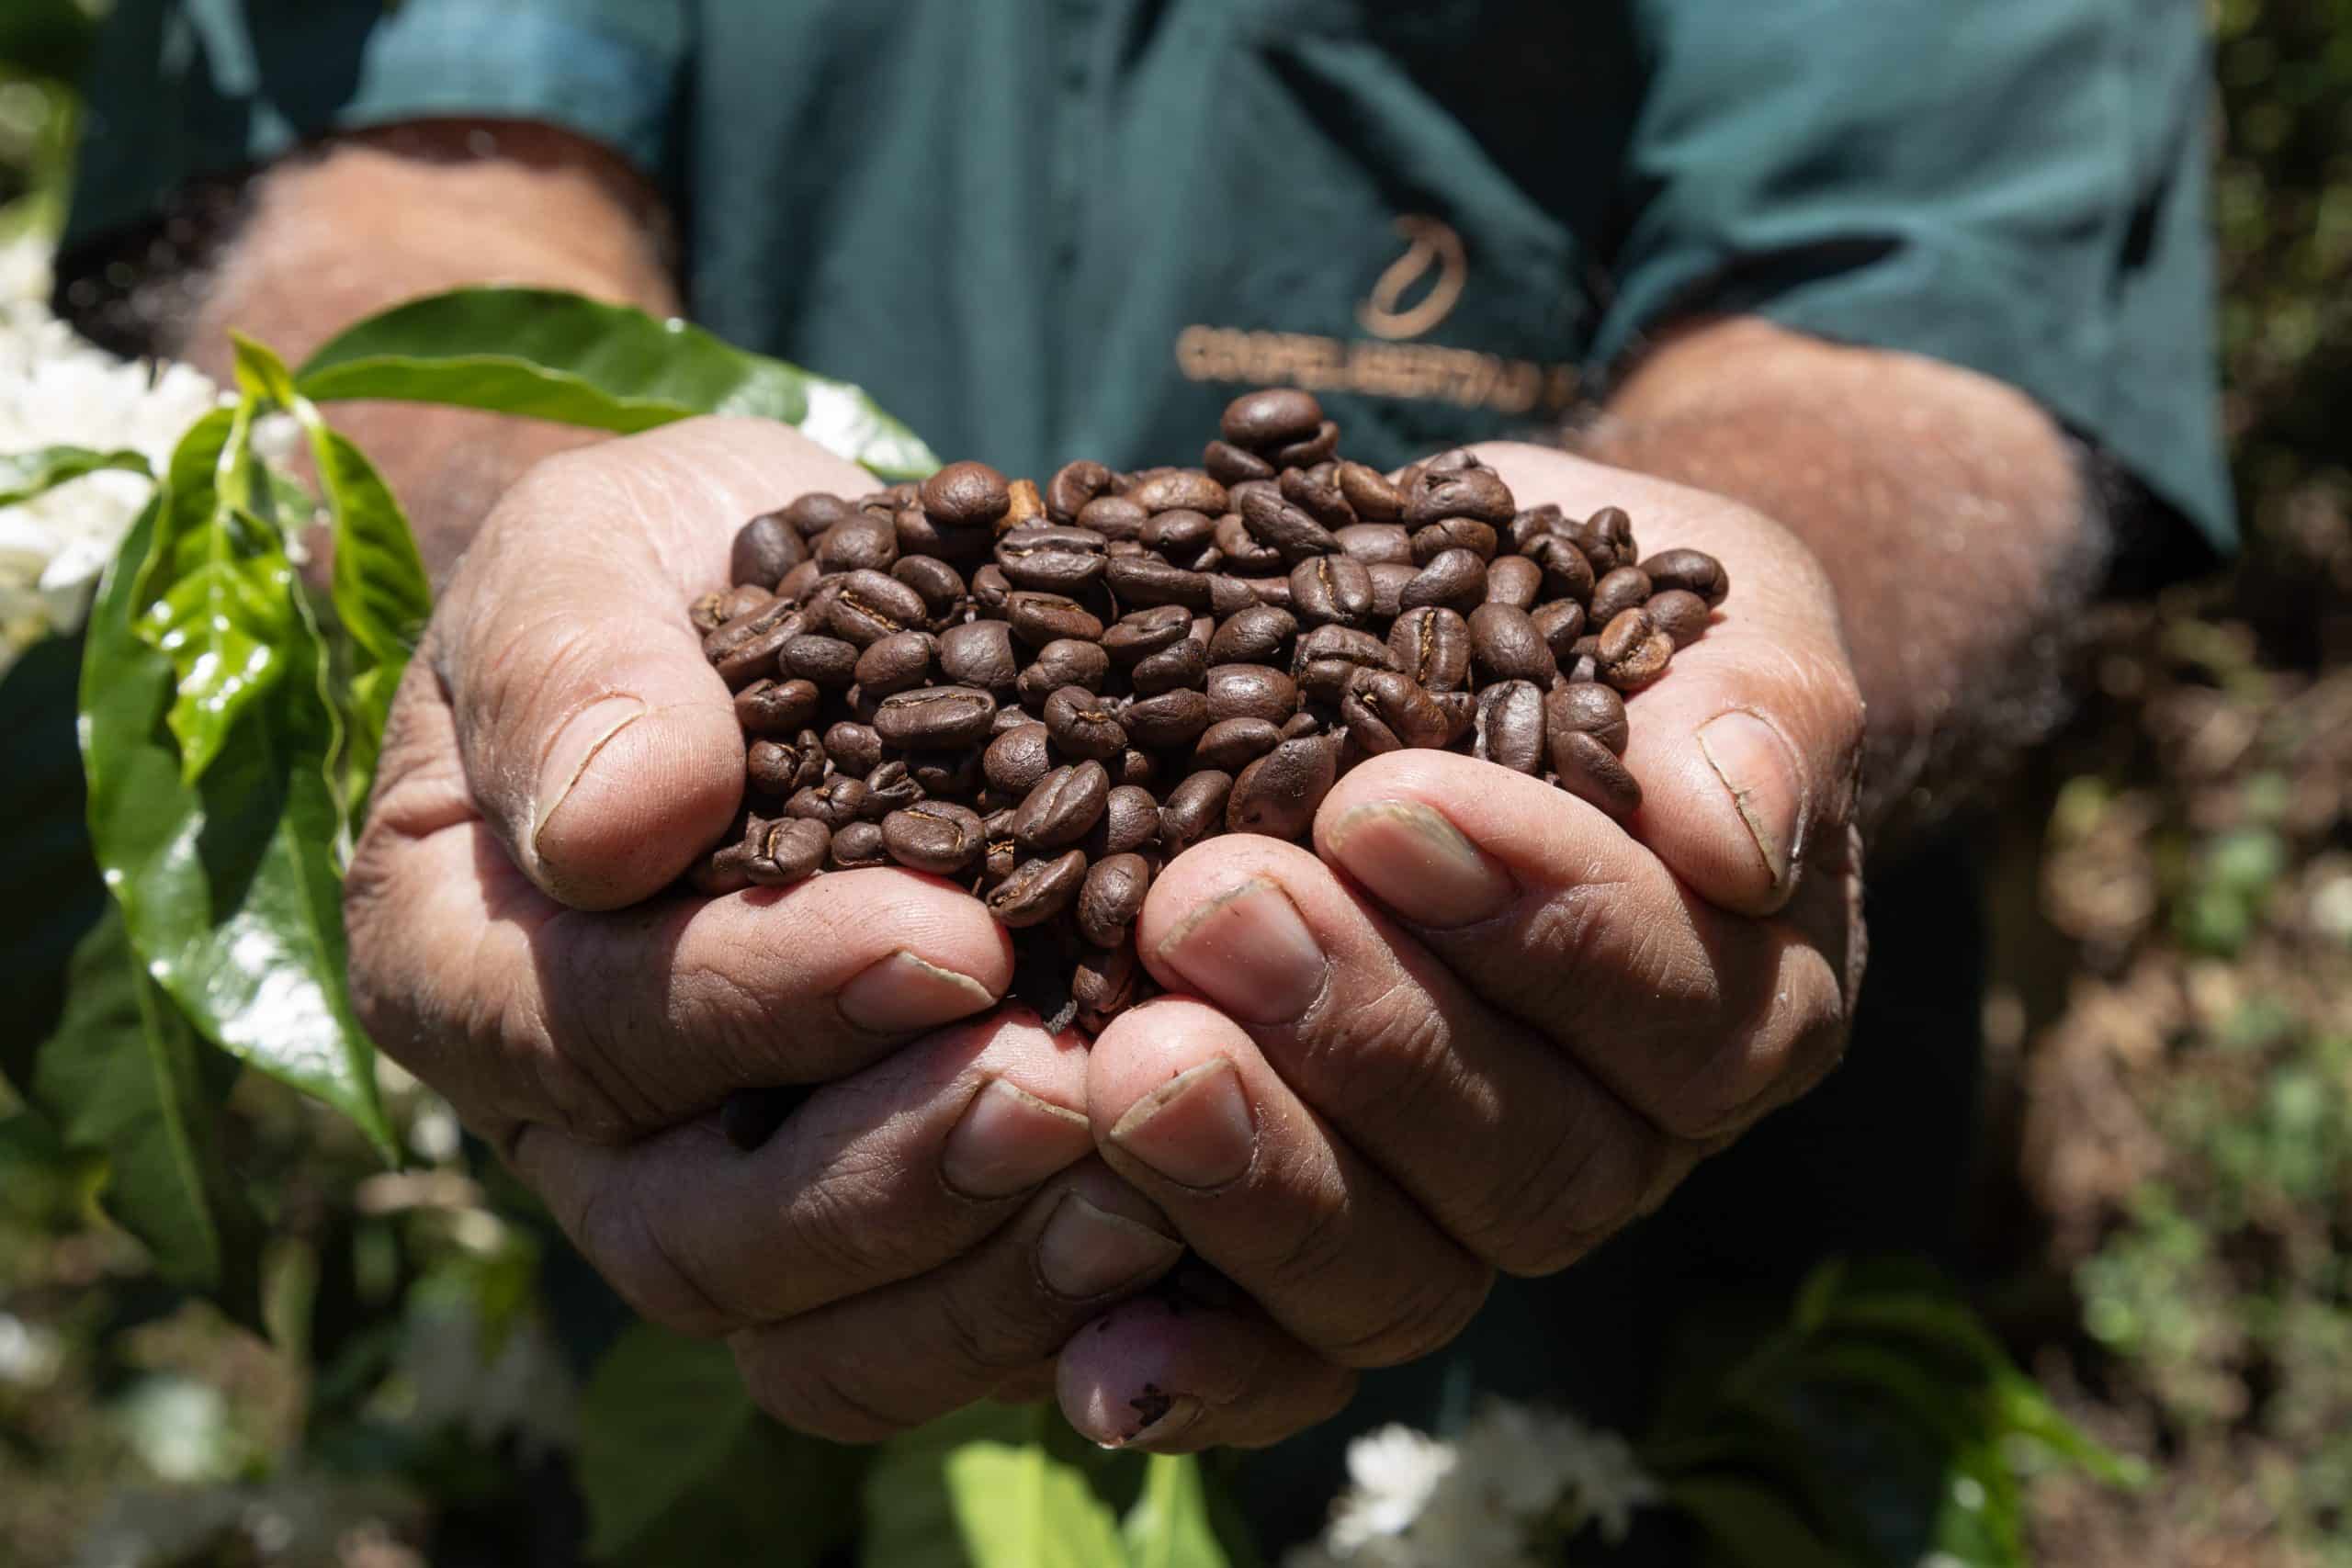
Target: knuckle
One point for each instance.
(1581, 1187)
(626, 1246)
(1421, 1315)
(1376, 1060)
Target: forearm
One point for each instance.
(1947, 510)
(369, 223)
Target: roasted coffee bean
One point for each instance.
(1017, 759)
(1194, 809)
(1373, 543)
(1051, 558)
(1626, 588)
(1334, 589)
(979, 653)
(1282, 527)
(937, 836)
(856, 846)
(1253, 635)
(779, 767)
(1388, 580)
(1316, 491)
(826, 662)
(1250, 691)
(1515, 581)
(1037, 890)
(1454, 580)
(755, 660)
(1232, 744)
(1589, 771)
(1084, 725)
(1241, 551)
(1468, 490)
(775, 707)
(1385, 711)
(1114, 517)
(1505, 646)
(1061, 807)
(1312, 720)
(799, 582)
(833, 801)
(1632, 652)
(1681, 614)
(1461, 712)
(990, 589)
(1452, 534)
(936, 715)
(918, 537)
(896, 664)
(1273, 592)
(966, 495)
(1528, 525)
(766, 549)
(1567, 573)
(1230, 465)
(866, 543)
(1181, 533)
(851, 748)
(1171, 718)
(1606, 539)
(1106, 980)
(1110, 897)
(890, 787)
(1065, 662)
(811, 514)
(1560, 624)
(1136, 767)
(1589, 708)
(1277, 793)
(951, 774)
(721, 872)
(757, 622)
(1135, 637)
(1509, 727)
(939, 585)
(1072, 486)
(1179, 490)
(1172, 668)
(1319, 447)
(712, 610)
(1329, 656)
(1369, 493)
(1129, 823)
(780, 853)
(871, 606)
(1003, 854)
(1040, 618)
(1142, 580)
(1692, 572)
(1276, 417)
(1433, 646)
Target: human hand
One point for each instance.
(925, 1225)
(1489, 1025)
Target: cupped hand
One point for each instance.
(924, 1226)
(1484, 1025)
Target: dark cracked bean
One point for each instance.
(1062, 807)
(935, 715)
(1112, 896)
(937, 836)
(1037, 890)
(1278, 794)
(1084, 725)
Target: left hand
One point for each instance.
(1484, 1025)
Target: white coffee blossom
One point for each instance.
(58, 390)
(1514, 1482)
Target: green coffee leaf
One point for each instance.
(679, 1466)
(24, 475)
(988, 1487)
(554, 356)
(123, 1074)
(1169, 1525)
(228, 882)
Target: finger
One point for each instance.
(601, 745)
(1749, 745)
(862, 1369)
(607, 1024)
(1505, 1140)
(1185, 1107)
(1178, 1372)
(873, 1180)
(1696, 1017)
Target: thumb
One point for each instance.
(596, 739)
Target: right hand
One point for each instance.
(925, 1230)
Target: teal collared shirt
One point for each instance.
(1042, 229)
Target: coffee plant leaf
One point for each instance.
(24, 475)
(549, 354)
(228, 882)
(50, 891)
(679, 1466)
(1171, 1525)
(990, 1487)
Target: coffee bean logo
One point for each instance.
(1434, 256)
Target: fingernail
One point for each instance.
(903, 992)
(576, 745)
(1086, 1252)
(1160, 1417)
(1195, 1129)
(1420, 864)
(1250, 953)
(1008, 1141)
(1759, 770)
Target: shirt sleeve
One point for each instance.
(2017, 186)
(185, 89)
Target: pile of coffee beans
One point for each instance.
(1045, 694)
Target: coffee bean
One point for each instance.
(1084, 725)
(1452, 534)
(951, 774)
(1135, 637)
(1505, 646)
(990, 589)
(1129, 824)
(935, 836)
(1114, 517)
(851, 748)
(936, 715)
(1388, 580)
(1037, 890)
(721, 872)
(1454, 580)
(1052, 557)
(979, 653)
(856, 846)
(799, 582)
(744, 649)
(1316, 491)
(1105, 981)
(1172, 668)
(1373, 543)
(775, 707)
(1632, 652)
(779, 767)
(1040, 618)
(1179, 490)
(1285, 529)
(1385, 711)
(1072, 486)
(1060, 807)
(1171, 718)
(1334, 589)
(826, 662)
(1142, 580)
(871, 606)
(1110, 897)
(1253, 635)
(866, 543)
(1065, 662)
(1515, 581)
(1591, 709)
(1433, 646)
(1692, 572)
(1567, 573)
(1250, 691)
(780, 853)
(1625, 589)
(765, 549)
(1589, 771)
(890, 787)
(1230, 465)
(1231, 744)
(1561, 624)
(1471, 491)
(1194, 809)
(712, 610)
(1329, 656)
(1003, 854)
(1681, 614)
(1509, 727)
(1605, 538)
(896, 664)
(833, 801)
(1241, 551)
(1277, 793)
(1181, 533)
(1531, 524)
(1319, 447)
(966, 495)
(1017, 759)
(1369, 493)
(1277, 417)
(939, 585)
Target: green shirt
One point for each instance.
(1044, 228)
